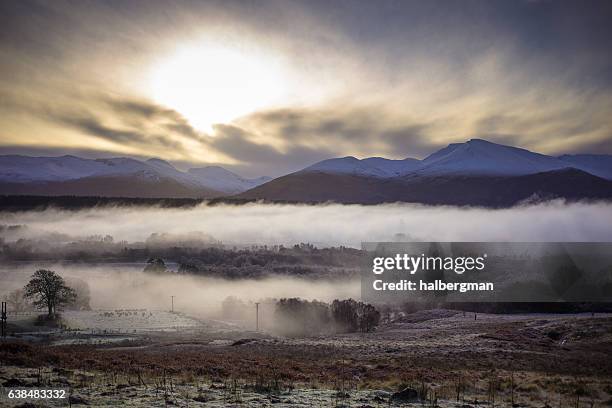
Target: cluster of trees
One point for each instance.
(351, 316)
(55, 246)
(196, 239)
(303, 260)
(21, 243)
(294, 316)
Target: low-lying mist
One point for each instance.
(127, 287)
(117, 285)
(331, 224)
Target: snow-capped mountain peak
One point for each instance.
(221, 179)
(478, 156)
(154, 161)
(370, 167)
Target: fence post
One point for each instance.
(3, 318)
(256, 316)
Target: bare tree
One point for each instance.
(49, 290)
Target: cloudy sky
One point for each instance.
(268, 87)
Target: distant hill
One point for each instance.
(462, 190)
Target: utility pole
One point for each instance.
(172, 297)
(3, 318)
(256, 316)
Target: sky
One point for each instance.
(269, 87)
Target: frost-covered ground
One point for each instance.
(131, 394)
(532, 360)
(134, 320)
(119, 326)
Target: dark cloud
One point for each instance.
(409, 140)
(141, 113)
(136, 123)
(238, 144)
(91, 125)
(145, 110)
(234, 141)
(345, 132)
(40, 151)
(516, 130)
(297, 124)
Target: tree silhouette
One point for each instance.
(49, 290)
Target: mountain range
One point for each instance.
(116, 177)
(474, 157)
(476, 172)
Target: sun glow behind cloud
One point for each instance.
(210, 83)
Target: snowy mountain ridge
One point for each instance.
(25, 169)
(474, 157)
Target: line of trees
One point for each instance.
(303, 260)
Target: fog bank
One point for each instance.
(333, 224)
(127, 287)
